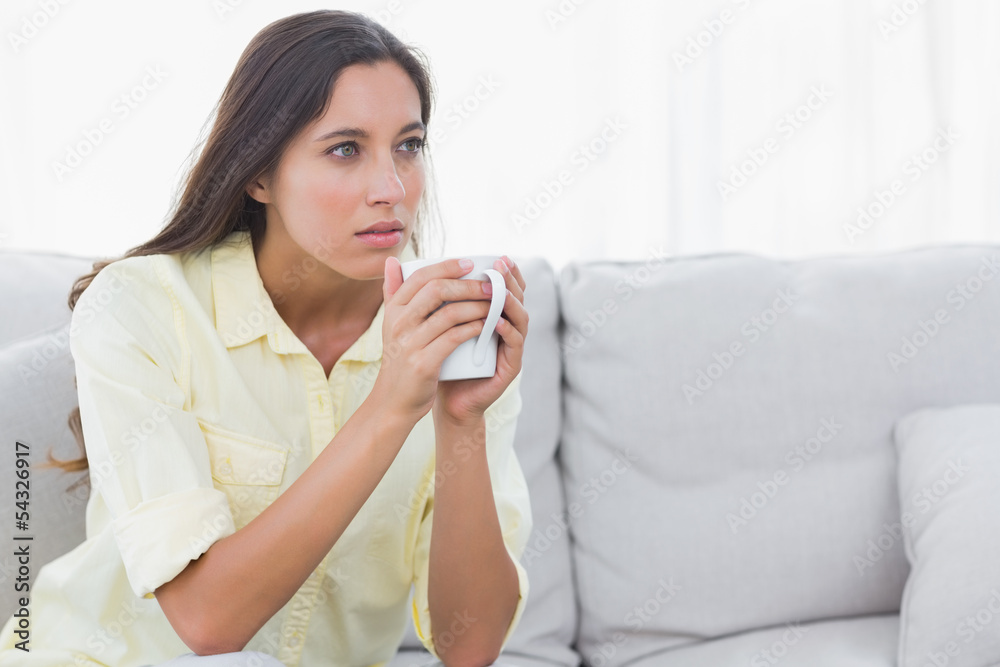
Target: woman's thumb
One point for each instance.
(393, 277)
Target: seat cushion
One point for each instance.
(868, 641)
(415, 658)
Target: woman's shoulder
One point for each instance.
(145, 291)
(144, 276)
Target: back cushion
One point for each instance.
(727, 437)
(35, 288)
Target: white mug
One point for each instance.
(476, 357)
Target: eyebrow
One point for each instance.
(358, 133)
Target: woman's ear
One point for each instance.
(259, 189)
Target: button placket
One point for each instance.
(338, 391)
(317, 403)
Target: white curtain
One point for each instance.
(570, 129)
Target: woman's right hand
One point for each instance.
(418, 334)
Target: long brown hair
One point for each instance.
(282, 82)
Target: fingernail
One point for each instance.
(510, 262)
(466, 263)
(487, 288)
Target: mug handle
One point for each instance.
(496, 309)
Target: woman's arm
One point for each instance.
(221, 600)
(472, 583)
(470, 572)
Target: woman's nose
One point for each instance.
(386, 186)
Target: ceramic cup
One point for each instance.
(476, 357)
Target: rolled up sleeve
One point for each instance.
(148, 457)
(510, 493)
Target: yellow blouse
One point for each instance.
(199, 407)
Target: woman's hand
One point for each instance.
(418, 333)
(465, 401)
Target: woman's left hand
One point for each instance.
(465, 401)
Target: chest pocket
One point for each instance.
(248, 470)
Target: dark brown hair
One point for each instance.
(282, 82)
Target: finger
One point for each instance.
(515, 271)
(448, 316)
(511, 337)
(445, 344)
(393, 277)
(512, 285)
(450, 268)
(515, 313)
(441, 290)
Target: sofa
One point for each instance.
(732, 459)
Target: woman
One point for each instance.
(273, 459)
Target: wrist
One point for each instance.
(388, 414)
(458, 437)
(461, 422)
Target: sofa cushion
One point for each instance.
(727, 441)
(867, 641)
(414, 658)
(37, 394)
(949, 467)
(35, 288)
(547, 628)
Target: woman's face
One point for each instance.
(360, 164)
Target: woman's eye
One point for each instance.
(344, 150)
(413, 145)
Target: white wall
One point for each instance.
(893, 72)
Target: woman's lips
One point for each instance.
(381, 239)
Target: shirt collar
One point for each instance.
(244, 311)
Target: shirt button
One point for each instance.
(226, 469)
(293, 641)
